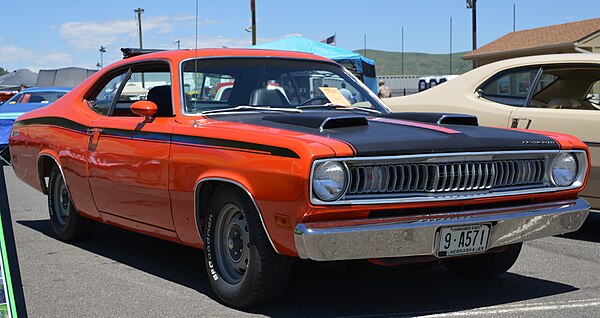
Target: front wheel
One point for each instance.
(67, 223)
(243, 268)
(486, 265)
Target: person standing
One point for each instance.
(347, 94)
(383, 91)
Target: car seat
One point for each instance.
(267, 97)
(161, 96)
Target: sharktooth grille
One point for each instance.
(445, 177)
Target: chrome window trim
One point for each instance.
(580, 155)
(239, 185)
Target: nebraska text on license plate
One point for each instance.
(464, 239)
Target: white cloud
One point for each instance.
(11, 54)
(92, 34)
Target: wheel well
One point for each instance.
(204, 192)
(45, 165)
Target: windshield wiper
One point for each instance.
(251, 108)
(341, 107)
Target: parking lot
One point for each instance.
(123, 274)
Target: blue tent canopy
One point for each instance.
(356, 63)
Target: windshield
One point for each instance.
(215, 84)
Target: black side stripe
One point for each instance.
(592, 144)
(154, 136)
(53, 121)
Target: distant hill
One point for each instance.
(389, 63)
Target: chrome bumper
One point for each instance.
(418, 235)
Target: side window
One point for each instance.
(142, 82)
(593, 96)
(103, 100)
(569, 88)
(510, 87)
(145, 85)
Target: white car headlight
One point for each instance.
(330, 179)
(564, 170)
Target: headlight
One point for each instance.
(330, 179)
(564, 170)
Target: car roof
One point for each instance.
(226, 52)
(46, 89)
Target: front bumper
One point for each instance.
(418, 235)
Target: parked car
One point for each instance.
(546, 92)
(256, 178)
(22, 102)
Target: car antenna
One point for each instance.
(195, 124)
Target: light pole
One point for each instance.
(102, 51)
(178, 42)
(472, 4)
(450, 45)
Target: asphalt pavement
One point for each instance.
(123, 274)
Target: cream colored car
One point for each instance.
(559, 92)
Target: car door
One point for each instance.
(128, 157)
(565, 101)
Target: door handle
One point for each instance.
(515, 122)
(94, 137)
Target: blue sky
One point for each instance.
(59, 33)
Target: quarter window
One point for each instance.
(510, 87)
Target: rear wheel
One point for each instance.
(486, 265)
(67, 223)
(243, 268)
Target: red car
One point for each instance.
(283, 166)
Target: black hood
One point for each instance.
(380, 135)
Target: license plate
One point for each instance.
(463, 239)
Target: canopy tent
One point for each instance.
(359, 65)
(13, 80)
(67, 77)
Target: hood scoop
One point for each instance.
(436, 118)
(319, 121)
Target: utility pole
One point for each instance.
(178, 42)
(514, 15)
(402, 63)
(253, 10)
(472, 4)
(139, 12)
(102, 51)
(450, 46)
(365, 46)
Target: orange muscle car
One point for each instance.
(284, 166)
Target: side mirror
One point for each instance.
(145, 109)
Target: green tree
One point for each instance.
(3, 71)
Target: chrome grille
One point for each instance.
(445, 177)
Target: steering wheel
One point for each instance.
(310, 100)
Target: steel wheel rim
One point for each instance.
(232, 243)
(62, 203)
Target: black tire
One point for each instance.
(242, 266)
(67, 223)
(486, 265)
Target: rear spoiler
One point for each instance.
(131, 52)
